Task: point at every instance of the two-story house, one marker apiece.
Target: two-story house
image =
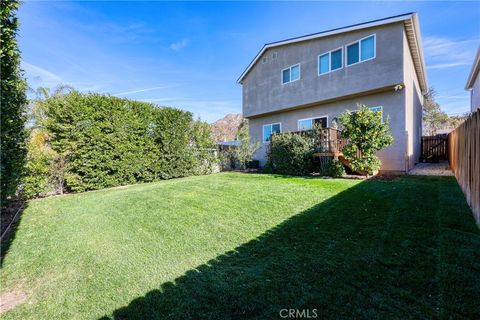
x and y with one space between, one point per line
292 84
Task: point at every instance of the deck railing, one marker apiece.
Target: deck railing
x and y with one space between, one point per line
328 141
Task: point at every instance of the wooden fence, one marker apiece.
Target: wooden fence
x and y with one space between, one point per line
464 157
434 148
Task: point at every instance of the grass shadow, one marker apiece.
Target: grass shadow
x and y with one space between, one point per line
11 218
369 252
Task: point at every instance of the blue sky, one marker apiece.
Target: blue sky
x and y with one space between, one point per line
189 55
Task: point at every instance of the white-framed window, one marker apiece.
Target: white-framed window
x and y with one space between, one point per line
330 61
307 124
378 109
268 129
291 74
361 50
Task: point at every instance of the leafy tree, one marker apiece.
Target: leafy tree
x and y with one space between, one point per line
203 147
433 117
244 152
367 134
13 103
456 120
37 178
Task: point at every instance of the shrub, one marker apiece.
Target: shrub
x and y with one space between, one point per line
99 141
13 102
205 157
244 152
291 153
334 169
36 181
227 159
367 134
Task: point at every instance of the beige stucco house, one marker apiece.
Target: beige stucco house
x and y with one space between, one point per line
473 83
292 84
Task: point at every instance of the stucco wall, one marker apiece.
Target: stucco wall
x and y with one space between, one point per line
393 102
263 91
413 108
475 94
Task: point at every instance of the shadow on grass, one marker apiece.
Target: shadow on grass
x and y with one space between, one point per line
11 217
369 252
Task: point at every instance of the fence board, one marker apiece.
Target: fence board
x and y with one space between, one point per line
464 157
434 148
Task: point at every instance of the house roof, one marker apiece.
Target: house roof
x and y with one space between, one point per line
474 72
411 27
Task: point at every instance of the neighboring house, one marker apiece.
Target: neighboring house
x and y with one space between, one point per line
228 145
294 83
473 83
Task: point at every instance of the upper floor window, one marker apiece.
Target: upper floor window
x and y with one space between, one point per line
268 129
330 61
307 124
361 50
291 74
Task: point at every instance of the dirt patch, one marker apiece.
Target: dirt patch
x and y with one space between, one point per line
11 299
431 169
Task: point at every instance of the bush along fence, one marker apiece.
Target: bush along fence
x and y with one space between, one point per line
90 141
464 157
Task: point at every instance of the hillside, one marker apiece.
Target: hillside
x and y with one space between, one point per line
225 129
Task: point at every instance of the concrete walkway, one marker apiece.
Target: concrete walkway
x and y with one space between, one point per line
431 169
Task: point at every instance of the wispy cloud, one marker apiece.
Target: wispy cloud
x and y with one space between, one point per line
171 99
447 65
176 46
209 110
40 77
140 90
442 53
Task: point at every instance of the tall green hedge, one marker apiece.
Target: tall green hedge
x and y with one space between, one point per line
106 141
13 102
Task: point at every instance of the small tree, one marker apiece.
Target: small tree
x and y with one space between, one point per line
245 151
367 134
433 117
204 148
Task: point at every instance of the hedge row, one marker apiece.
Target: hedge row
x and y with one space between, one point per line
100 141
13 101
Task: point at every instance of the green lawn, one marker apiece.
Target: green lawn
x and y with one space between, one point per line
231 246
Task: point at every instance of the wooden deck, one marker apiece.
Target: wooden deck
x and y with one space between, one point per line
328 142
329 145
